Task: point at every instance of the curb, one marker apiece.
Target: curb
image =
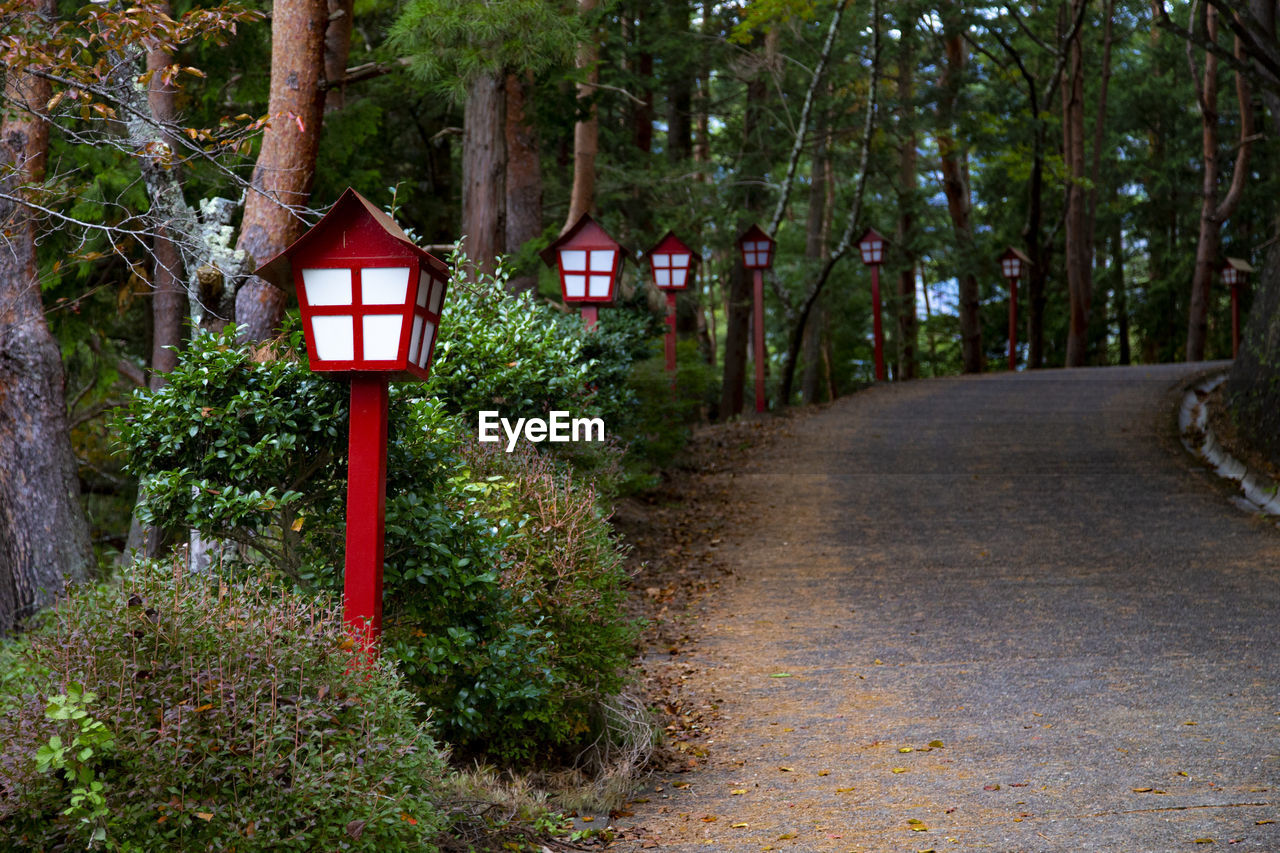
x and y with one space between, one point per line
1259 492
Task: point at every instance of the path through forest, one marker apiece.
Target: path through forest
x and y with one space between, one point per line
1000 613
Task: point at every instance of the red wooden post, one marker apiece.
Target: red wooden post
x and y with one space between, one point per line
877 328
1235 320
366 511
758 320
670 341
590 316
1013 324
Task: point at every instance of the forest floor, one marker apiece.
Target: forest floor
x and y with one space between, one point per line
1001 613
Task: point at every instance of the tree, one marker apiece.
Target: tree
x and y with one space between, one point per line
44 536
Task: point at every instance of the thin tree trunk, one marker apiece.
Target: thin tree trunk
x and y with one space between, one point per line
168 301
44 537
523 178
282 177
1078 256
906 191
736 337
955 184
680 91
1213 213
484 164
817 236
337 48
1121 290
586 131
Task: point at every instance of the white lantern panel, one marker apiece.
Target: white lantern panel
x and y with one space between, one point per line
602 260
437 296
384 285
662 277
382 336
334 337
428 338
424 289
680 260
600 285
661 261
575 286
573 260
327 286
751 260
415 339
678 277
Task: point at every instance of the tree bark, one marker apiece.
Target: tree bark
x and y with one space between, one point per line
282 177
1212 213
484 171
586 131
955 184
907 331
1079 258
168 301
337 49
817 236
44 536
523 178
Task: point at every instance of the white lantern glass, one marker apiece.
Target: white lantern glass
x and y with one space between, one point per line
1230 275
382 336
415 339
573 260
437 296
384 285
600 286
575 286
427 339
334 337
328 286
424 289
679 277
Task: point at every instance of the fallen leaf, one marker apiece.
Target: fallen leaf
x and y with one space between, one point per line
787 769
899 770
205 815
780 675
905 749
741 826
824 772
1142 790
1262 822
738 792
709 818
935 744
786 836
991 787
1204 841
843 790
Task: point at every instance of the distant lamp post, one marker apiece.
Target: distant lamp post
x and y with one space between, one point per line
588 261
370 301
672 265
757 255
1012 264
1234 274
871 245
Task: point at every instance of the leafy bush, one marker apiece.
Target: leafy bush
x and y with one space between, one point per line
185 712
237 451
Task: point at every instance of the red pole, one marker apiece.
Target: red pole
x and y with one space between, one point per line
876 327
671 330
1235 320
366 511
590 316
758 319
1013 324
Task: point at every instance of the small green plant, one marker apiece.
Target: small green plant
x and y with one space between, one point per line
90 741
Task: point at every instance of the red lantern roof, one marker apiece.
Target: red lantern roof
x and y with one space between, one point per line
588 260
361 284
671 263
757 249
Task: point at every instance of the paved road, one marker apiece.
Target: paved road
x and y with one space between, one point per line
1026 569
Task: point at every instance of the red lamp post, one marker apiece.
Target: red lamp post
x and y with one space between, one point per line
1234 274
588 261
757 255
1011 264
370 302
871 245
672 265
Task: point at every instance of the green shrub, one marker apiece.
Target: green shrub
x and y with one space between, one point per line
190 712
238 455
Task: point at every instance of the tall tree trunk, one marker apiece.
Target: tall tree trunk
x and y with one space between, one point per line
1213 213
907 325
680 85
1121 290
44 537
955 184
817 237
736 336
523 178
586 131
702 96
1079 257
642 113
168 281
282 177
484 160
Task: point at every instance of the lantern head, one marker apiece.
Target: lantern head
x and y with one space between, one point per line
588 261
1235 271
871 245
1013 262
757 249
370 299
672 263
